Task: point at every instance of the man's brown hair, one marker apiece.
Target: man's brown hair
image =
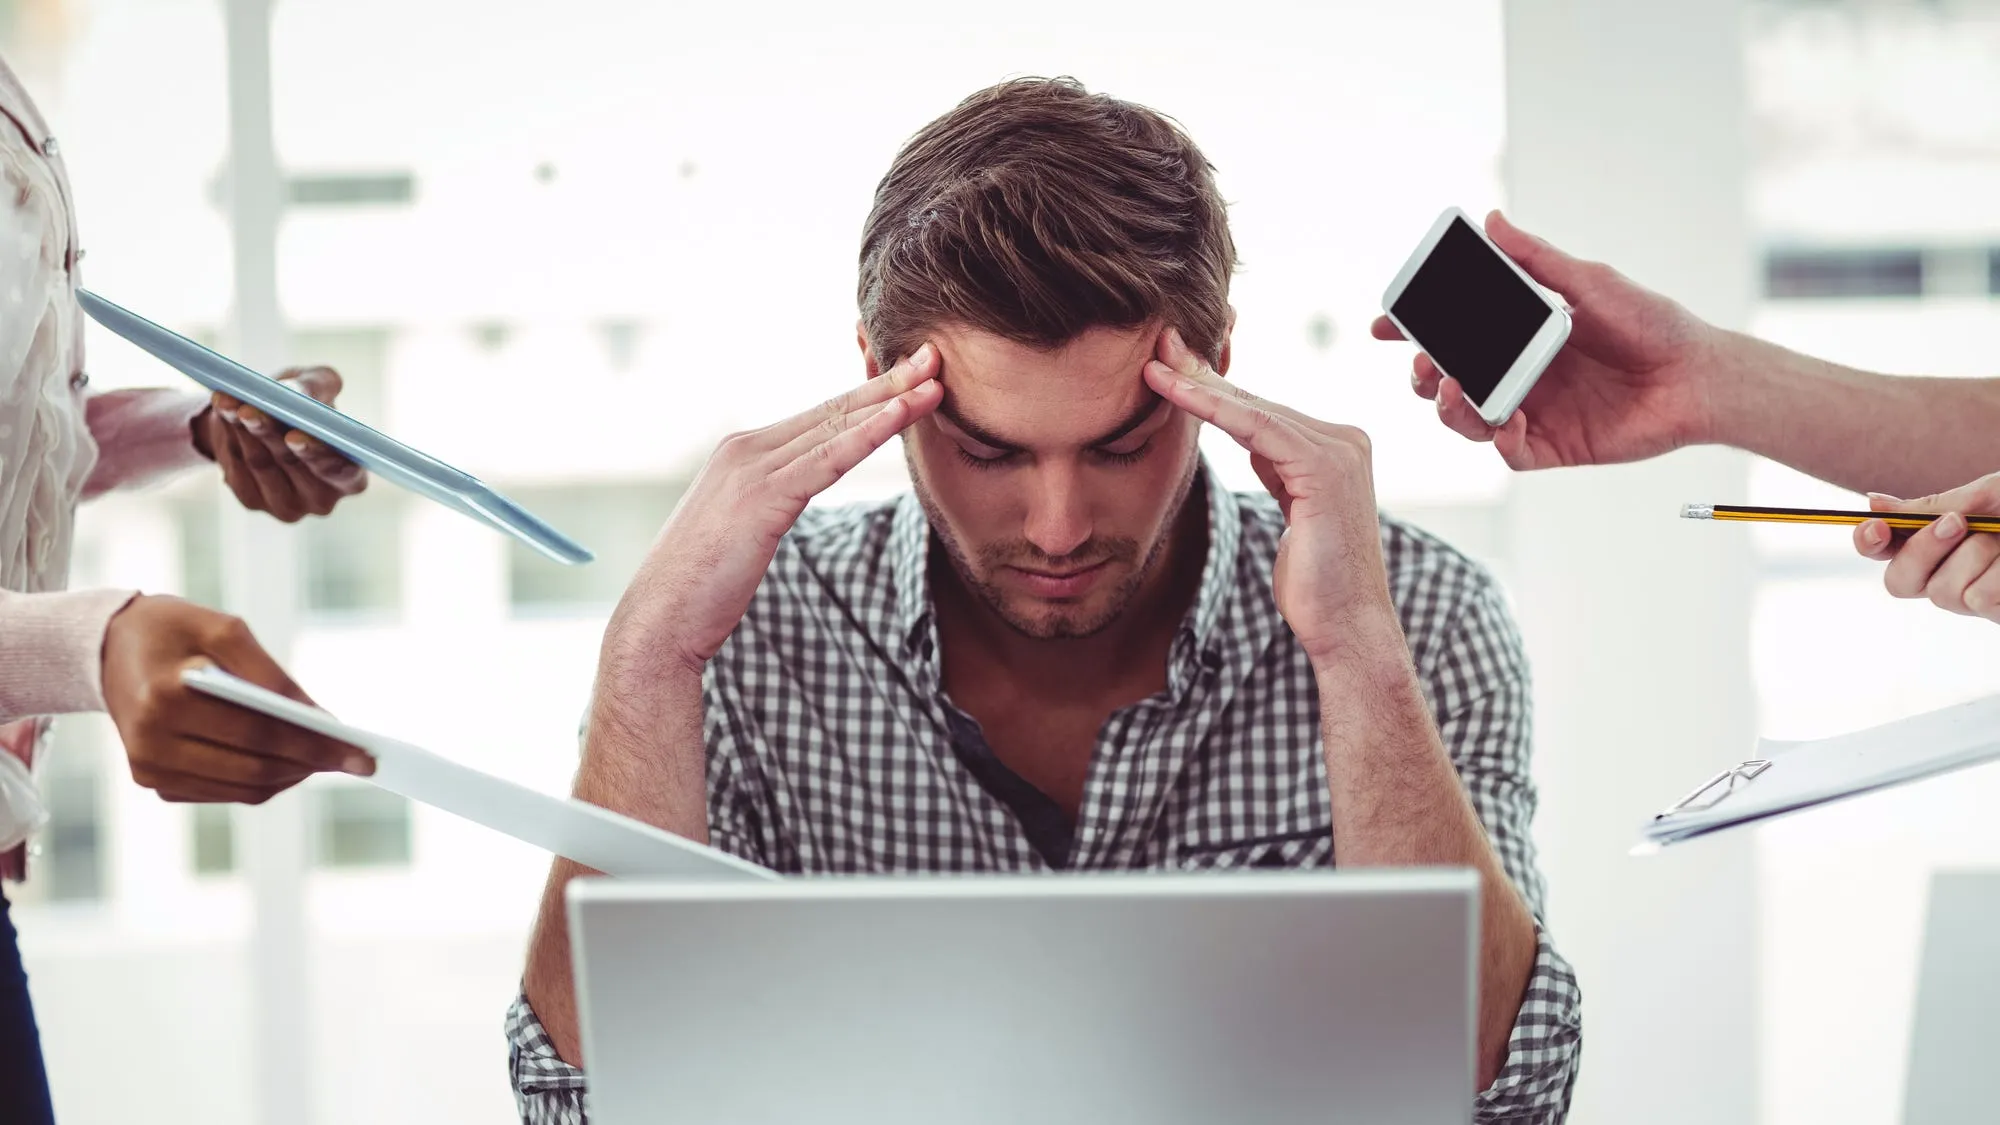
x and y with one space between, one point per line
1037 210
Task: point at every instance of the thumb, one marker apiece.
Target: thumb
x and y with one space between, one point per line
322 383
1980 498
234 649
1541 258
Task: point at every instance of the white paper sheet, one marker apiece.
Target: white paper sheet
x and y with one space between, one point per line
1804 774
595 837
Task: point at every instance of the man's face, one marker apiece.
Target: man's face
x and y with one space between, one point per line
1052 478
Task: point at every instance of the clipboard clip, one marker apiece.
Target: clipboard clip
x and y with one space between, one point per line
1716 788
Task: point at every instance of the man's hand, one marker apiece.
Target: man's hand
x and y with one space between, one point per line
1632 382
186 745
1330 570
698 578
643 754
270 467
1957 570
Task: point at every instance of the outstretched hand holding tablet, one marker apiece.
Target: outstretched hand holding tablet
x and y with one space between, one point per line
270 467
241 389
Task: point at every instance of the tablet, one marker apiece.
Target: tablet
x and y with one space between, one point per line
591 835
374 451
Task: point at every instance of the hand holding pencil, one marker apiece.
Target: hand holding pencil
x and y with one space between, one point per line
1945 547
1955 561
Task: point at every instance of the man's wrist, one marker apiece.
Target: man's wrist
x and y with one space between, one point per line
1744 377
1369 642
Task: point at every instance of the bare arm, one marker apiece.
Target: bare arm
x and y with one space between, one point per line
643 756
644 753
1396 795
1642 376
1904 435
1398 802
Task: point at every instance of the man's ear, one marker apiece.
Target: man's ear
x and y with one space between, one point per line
1228 330
867 353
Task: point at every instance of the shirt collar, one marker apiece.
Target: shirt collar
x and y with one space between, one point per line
1196 647
909 555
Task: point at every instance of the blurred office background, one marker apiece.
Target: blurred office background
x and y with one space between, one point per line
568 246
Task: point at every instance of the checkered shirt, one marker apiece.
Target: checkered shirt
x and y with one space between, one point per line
830 747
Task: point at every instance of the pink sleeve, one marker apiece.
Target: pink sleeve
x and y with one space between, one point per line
141 434
51 651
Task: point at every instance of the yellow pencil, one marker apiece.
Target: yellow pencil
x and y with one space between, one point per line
1907 521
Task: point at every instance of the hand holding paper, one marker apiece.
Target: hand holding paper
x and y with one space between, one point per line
594 837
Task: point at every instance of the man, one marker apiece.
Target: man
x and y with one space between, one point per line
1642 376
1069 649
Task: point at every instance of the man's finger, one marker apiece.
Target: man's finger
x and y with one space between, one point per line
1385 329
1511 439
1873 539
1456 411
1541 259
833 427
1243 416
1983 596
919 367
1425 376
1980 498
1174 352
816 470
1910 571
1960 570
1273 483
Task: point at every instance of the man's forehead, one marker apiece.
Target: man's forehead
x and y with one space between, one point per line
1025 424
1087 386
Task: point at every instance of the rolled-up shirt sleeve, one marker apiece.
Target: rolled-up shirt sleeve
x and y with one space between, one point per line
1480 683
549 1091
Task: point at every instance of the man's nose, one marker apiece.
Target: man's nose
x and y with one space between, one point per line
1058 512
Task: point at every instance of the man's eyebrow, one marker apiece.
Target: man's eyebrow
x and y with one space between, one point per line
1139 417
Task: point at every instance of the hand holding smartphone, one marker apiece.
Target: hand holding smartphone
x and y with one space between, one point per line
1480 317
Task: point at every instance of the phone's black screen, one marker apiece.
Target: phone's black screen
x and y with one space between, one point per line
1469 311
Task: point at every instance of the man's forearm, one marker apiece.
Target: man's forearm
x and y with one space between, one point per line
1398 802
1904 435
643 756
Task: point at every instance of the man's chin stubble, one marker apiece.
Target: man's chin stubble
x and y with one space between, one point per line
1058 628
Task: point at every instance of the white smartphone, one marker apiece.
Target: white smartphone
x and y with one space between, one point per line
1480 318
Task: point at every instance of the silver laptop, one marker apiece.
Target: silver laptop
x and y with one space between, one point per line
1956 1034
1164 999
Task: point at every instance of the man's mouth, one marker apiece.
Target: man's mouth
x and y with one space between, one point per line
1068 582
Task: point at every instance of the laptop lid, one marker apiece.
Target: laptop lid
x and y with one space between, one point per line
1275 997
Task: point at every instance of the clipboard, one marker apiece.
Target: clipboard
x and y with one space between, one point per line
373 450
1787 777
589 834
